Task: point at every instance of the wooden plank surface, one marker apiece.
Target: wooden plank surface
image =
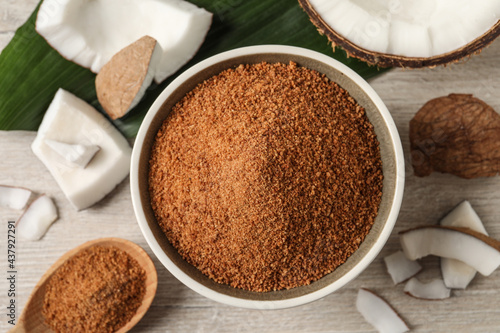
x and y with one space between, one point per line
178 309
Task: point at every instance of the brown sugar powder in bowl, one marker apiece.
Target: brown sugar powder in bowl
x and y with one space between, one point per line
97 290
266 177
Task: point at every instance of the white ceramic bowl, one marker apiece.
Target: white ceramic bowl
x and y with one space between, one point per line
392 164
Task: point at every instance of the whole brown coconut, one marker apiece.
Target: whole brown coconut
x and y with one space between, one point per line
457 134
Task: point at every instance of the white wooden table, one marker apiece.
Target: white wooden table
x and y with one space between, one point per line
178 309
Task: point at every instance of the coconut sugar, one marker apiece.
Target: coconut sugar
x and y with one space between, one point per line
97 290
266 176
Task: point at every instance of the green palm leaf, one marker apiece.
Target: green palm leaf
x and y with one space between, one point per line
31 71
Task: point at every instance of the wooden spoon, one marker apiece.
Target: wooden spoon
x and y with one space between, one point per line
32 320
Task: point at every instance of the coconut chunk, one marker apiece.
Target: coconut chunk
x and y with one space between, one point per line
91 32
379 313
37 218
70 119
457 274
401 268
433 290
475 249
464 216
14 197
77 155
122 82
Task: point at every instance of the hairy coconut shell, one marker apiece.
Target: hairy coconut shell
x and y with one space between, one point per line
457 134
391 60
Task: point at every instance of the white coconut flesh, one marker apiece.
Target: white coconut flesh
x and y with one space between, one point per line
14 197
37 218
78 155
433 290
409 28
401 268
90 32
379 313
457 274
475 249
71 120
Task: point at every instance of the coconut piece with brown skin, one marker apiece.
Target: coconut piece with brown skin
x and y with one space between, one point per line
123 81
406 33
89 33
471 247
457 134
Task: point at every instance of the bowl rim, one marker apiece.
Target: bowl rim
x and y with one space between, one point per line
290 302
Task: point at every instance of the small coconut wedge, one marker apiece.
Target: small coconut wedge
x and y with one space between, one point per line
78 155
379 313
89 33
456 274
37 218
471 247
407 33
433 290
122 82
401 268
14 197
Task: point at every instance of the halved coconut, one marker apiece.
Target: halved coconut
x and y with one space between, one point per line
379 313
90 32
407 33
401 268
433 290
14 197
457 274
471 247
122 82
37 218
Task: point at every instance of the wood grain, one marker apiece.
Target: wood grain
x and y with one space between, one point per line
179 309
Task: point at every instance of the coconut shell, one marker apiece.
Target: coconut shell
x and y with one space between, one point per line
457 134
120 80
390 60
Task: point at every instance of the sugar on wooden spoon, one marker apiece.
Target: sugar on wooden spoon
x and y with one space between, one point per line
32 318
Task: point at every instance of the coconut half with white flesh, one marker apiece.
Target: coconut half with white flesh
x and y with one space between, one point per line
90 32
457 274
407 33
471 247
